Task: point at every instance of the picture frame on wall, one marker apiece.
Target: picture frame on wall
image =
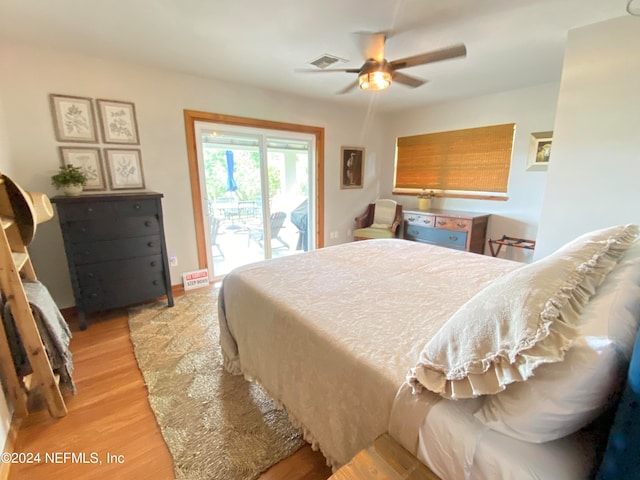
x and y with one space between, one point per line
351 167
124 168
89 161
73 118
539 151
118 122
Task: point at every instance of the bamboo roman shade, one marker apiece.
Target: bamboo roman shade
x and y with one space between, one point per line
473 159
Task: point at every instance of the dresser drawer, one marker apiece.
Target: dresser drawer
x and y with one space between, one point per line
110 210
126 291
449 238
86 211
136 207
122 227
119 249
114 271
421 219
453 223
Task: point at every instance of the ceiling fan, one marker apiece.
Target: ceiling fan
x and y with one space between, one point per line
377 73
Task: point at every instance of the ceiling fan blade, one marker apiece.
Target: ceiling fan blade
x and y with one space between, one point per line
429 57
317 70
372 45
407 80
348 88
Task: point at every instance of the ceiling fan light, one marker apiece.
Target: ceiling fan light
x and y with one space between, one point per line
377 80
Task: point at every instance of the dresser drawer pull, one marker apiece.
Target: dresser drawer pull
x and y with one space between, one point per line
155 282
461 225
153 264
147 223
94 295
427 221
91 275
411 219
442 222
150 244
453 238
89 209
136 206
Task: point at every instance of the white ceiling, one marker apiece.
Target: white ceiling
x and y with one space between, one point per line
510 43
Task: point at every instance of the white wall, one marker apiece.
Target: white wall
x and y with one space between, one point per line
532 110
5 164
594 175
29 75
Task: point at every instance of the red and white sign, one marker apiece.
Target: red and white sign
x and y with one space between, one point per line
197 279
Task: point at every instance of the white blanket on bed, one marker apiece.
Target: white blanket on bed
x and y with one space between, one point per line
331 334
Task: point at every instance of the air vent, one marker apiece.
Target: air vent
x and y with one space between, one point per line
325 60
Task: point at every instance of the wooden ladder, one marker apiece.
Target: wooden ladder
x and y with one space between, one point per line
14 261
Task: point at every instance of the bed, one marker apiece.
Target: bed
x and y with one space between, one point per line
345 339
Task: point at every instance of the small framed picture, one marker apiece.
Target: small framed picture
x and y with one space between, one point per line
124 167
89 161
539 150
351 167
118 122
73 119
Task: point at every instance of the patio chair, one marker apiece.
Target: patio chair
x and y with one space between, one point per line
214 224
276 221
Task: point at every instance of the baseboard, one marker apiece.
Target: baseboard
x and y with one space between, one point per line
177 290
9 446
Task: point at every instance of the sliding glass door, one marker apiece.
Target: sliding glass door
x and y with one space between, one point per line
257 191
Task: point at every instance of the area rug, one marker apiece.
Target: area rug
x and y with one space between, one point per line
216 425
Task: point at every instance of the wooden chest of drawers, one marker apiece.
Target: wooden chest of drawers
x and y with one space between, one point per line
447 228
115 249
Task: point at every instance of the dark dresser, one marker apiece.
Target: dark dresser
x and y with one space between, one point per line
447 228
115 249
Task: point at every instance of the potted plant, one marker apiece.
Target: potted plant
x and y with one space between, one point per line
424 200
70 179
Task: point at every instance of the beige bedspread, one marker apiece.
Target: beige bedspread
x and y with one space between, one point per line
332 333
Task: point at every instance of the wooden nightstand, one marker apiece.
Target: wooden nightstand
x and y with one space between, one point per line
384 460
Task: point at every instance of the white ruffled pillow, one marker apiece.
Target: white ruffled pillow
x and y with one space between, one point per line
563 397
520 321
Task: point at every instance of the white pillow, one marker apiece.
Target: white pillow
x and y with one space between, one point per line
384 213
522 320
563 397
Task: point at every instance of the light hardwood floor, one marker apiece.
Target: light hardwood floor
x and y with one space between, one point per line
111 418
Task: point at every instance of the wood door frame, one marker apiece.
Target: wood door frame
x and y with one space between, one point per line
193 116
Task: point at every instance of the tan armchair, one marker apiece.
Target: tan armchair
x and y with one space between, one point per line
382 219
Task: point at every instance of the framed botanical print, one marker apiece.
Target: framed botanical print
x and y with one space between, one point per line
89 161
351 167
539 150
124 167
118 122
73 118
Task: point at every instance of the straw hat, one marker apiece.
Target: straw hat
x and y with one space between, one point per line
29 208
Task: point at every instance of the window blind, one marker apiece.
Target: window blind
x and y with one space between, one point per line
473 159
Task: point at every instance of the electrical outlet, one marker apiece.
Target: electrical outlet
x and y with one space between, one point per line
173 261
